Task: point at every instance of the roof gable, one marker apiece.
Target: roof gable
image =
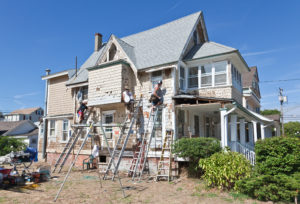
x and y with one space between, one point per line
163 44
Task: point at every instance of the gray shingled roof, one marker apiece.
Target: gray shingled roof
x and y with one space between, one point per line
208 49
162 44
82 75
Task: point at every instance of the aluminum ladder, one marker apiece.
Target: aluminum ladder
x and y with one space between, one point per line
119 153
138 164
69 146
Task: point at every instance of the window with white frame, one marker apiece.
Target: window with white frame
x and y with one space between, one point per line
182 78
52 128
206 75
236 75
220 69
156 77
193 77
108 119
65 130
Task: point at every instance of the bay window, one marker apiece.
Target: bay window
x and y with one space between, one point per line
182 78
220 73
206 75
193 77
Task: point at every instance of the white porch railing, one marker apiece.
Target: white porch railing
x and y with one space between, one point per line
246 150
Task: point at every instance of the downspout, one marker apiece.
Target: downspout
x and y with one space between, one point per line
44 118
173 101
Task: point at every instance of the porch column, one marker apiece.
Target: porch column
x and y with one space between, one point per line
254 131
262 131
242 132
224 123
233 131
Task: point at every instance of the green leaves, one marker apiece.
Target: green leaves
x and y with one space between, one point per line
223 169
277 171
8 144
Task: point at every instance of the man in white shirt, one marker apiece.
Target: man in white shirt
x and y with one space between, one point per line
128 99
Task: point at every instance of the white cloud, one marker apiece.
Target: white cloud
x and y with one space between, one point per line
262 52
20 103
24 95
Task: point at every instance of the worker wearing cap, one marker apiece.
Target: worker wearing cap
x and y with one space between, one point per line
128 99
81 110
157 95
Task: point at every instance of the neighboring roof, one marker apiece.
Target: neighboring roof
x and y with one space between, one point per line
26 111
247 78
9 125
208 49
163 44
275 117
34 132
82 75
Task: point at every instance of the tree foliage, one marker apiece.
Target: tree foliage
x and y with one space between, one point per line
8 144
269 112
292 129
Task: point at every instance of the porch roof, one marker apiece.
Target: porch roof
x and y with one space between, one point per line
187 96
200 107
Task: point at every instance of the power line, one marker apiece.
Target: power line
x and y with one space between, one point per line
280 80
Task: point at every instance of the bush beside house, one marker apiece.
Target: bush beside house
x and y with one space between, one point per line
276 176
195 149
224 169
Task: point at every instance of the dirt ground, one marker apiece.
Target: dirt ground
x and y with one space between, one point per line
84 187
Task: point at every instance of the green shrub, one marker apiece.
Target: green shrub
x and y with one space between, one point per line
194 149
268 187
224 169
8 144
292 129
277 171
277 155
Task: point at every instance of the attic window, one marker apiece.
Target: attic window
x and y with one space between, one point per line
195 38
112 52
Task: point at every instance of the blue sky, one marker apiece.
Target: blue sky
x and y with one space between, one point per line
35 35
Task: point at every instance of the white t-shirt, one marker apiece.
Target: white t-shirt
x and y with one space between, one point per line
127 96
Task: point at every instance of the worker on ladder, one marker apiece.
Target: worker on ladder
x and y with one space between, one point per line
129 101
81 110
157 95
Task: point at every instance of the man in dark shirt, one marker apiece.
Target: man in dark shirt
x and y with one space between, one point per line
81 110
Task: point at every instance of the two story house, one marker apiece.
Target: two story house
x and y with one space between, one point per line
32 114
202 86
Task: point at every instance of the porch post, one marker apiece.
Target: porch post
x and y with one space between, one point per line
233 131
254 131
223 124
242 132
262 131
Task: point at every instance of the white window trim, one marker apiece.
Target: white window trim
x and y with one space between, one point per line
55 128
212 74
110 112
68 130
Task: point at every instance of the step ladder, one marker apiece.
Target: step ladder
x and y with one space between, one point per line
164 169
126 131
140 156
70 145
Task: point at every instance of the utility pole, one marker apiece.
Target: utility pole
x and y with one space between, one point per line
282 99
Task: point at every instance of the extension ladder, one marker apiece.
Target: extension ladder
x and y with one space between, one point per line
122 140
165 164
140 156
69 146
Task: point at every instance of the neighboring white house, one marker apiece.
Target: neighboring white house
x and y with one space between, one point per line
33 114
24 129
